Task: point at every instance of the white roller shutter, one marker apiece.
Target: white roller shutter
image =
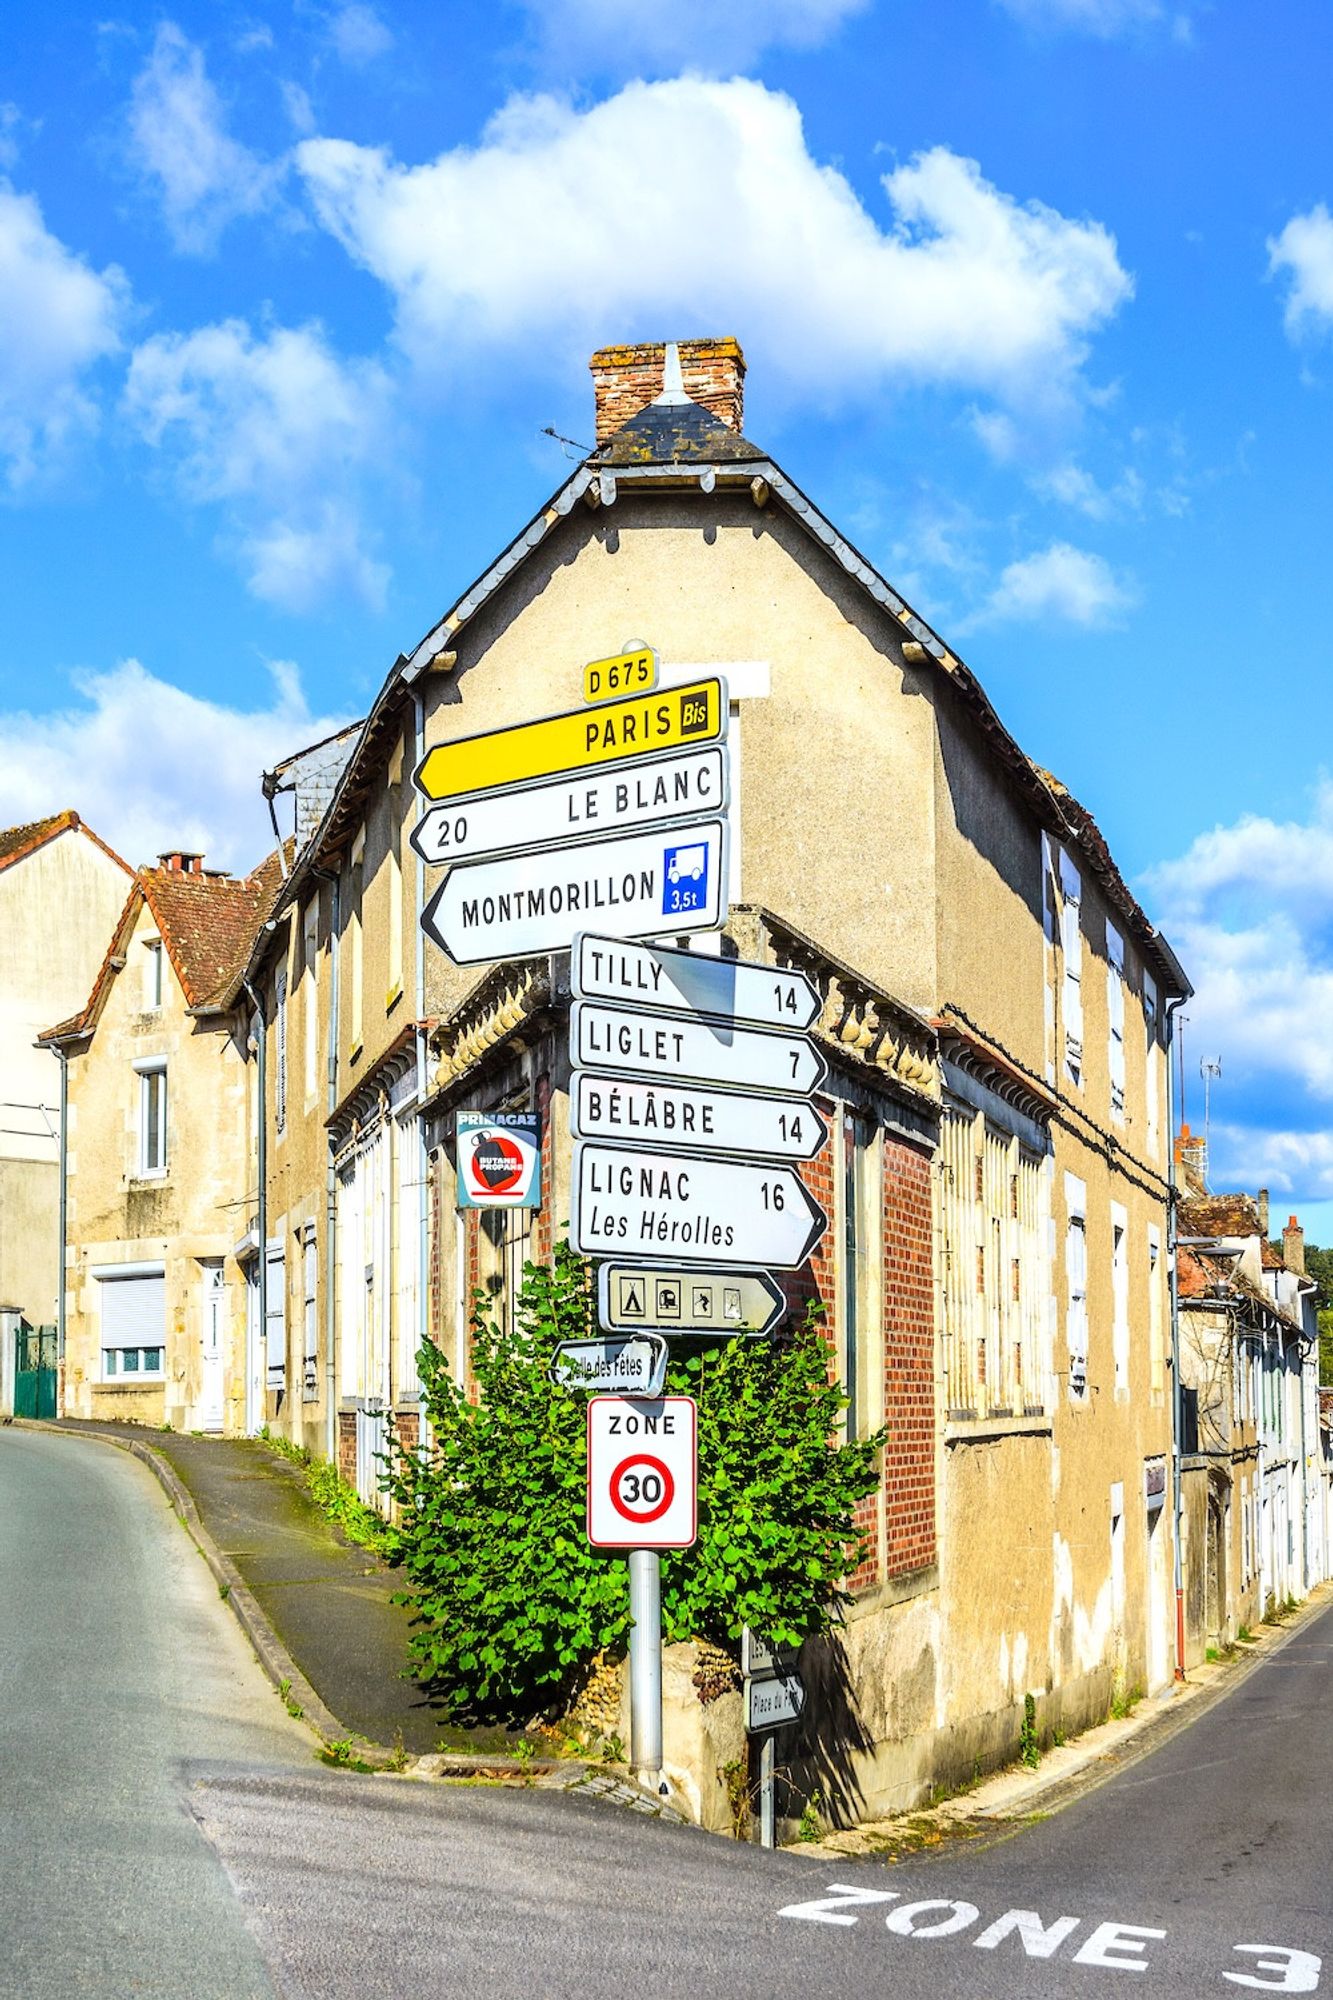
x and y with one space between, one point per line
134 1311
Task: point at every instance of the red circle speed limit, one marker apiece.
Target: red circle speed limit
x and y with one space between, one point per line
642 1489
642 1472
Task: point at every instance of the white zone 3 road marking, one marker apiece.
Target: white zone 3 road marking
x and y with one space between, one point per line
1116 1947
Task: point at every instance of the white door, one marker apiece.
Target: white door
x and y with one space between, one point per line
211 1399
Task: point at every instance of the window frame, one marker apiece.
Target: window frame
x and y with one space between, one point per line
154 975
125 1274
151 1069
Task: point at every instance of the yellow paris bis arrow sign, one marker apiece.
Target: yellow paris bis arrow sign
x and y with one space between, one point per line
663 720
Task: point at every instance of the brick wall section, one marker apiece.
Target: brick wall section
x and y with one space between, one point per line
626 379
542 1246
407 1428
347 1445
907 1493
909 1359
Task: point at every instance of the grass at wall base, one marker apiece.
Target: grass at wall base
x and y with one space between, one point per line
510 1604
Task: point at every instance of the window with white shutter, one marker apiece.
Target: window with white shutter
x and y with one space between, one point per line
133 1314
280 1040
1071 940
275 1316
1076 1278
1115 1013
1150 1062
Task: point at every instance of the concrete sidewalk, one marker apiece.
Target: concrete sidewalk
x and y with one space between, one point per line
329 1603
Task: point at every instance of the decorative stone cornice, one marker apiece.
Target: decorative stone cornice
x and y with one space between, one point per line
977 1056
494 1011
859 1022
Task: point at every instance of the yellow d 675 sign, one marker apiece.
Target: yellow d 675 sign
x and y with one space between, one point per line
585 737
631 672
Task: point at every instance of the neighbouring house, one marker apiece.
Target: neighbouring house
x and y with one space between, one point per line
158 1247
1254 1505
61 889
996 1009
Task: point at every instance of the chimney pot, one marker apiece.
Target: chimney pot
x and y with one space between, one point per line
180 862
626 379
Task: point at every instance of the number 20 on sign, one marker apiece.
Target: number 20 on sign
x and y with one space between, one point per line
642 1485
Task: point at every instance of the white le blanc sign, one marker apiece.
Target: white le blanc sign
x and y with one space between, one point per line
617 799
739 989
637 884
694 1117
727 1212
690 1045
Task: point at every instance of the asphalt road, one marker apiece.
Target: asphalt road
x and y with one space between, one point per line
164 1831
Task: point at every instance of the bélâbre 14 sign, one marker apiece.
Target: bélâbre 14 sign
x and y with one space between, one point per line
499 1159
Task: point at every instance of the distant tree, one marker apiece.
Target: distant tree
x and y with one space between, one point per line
1319 1266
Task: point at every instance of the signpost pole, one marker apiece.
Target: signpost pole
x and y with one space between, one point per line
766 1830
645 1665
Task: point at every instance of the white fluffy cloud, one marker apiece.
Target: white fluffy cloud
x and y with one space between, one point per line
150 767
1249 908
620 36
1104 18
696 206
358 35
1304 254
179 141
278 431
1062 585
58 318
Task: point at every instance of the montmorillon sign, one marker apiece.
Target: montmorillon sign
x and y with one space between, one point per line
672 880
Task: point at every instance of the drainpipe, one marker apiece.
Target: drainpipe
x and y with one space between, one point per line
423 1160
64 1219
1177 1398
261 1218
330 1175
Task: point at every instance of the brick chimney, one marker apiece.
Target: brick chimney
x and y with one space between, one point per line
1190 1158
626 379
1293 1246
179 862
1263 1213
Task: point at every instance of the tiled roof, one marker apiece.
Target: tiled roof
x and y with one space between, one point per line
1270 1258
208 924
17 842
1219 1215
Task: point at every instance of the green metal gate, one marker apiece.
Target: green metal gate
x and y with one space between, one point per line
34 1370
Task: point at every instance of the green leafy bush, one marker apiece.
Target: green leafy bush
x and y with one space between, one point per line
511 1604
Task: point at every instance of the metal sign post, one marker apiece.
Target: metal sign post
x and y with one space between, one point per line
767 1836
645 1666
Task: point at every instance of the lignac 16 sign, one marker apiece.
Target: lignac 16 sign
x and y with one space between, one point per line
499 1159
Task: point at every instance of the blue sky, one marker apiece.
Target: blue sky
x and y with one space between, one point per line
1037 297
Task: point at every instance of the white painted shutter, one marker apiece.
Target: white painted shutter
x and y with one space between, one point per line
275 1330
134 1311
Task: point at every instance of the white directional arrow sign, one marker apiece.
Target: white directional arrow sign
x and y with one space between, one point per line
621 1038
729 1212
616 799
636 884
695 1117
692 983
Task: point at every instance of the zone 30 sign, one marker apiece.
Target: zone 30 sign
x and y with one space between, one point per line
641 1472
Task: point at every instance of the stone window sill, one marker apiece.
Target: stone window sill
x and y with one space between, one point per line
978 1430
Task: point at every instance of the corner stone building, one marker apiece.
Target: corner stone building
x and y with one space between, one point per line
995 1009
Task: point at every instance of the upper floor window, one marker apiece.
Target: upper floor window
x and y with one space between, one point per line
1115 1014
280 1040
356 942
310 1001
152 1118
1150 1061
153 974
1071 939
